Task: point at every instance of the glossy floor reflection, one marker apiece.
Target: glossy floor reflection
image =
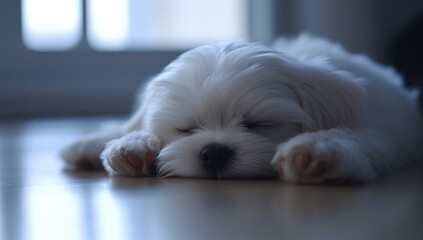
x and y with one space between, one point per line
39 200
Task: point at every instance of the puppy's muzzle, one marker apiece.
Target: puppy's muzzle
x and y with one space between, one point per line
215 156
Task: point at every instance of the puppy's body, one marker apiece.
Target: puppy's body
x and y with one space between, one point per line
307 111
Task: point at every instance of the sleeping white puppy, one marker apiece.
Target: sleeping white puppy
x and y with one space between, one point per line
306 111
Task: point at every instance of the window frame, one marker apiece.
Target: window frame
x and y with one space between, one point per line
65 83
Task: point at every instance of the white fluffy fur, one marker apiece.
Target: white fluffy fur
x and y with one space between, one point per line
319 114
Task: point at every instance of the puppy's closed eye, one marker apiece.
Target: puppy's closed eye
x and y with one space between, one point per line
256 125
186 131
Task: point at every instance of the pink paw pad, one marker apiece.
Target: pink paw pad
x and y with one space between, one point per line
135 161
304 165
138 163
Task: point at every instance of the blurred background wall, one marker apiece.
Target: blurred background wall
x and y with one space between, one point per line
114 45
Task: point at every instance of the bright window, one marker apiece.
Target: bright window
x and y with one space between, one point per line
108 24
51 24
132 24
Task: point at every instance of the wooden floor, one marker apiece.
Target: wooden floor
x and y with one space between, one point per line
39 200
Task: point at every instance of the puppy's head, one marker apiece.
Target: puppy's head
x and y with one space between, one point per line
221 110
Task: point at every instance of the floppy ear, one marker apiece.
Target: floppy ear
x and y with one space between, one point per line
330 98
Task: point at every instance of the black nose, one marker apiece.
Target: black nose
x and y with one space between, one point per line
215 156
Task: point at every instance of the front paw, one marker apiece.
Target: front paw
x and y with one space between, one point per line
132 155
309 159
